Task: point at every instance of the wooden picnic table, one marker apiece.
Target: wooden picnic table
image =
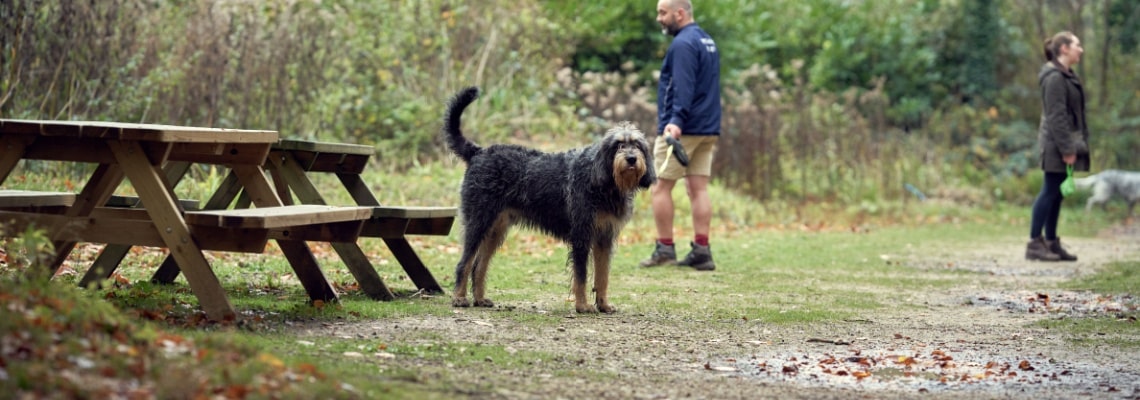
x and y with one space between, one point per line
138 153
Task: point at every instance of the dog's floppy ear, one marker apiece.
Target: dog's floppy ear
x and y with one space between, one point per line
650 176
603 168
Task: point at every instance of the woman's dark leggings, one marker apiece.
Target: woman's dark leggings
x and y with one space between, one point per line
1047 208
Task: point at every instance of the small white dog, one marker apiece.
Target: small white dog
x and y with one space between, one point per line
1111 182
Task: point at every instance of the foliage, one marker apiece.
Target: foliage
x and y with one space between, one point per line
981 25
1124 20
59 342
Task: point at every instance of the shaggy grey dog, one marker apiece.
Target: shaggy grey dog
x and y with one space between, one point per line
1111 182
583 196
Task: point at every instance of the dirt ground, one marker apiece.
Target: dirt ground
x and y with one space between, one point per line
970 341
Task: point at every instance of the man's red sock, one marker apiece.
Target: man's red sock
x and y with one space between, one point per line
665 241
702 240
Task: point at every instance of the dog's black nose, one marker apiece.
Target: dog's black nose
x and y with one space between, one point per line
631 160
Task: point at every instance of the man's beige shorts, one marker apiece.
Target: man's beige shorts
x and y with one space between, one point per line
700 150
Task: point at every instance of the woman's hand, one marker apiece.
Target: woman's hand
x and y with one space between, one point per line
1069 159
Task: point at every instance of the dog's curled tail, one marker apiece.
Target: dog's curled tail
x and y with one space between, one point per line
462 147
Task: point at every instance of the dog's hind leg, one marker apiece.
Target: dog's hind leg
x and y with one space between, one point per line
491 242
1102 192
475 231
462 273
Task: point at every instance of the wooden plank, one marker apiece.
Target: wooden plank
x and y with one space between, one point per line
339 232
133 201
220 153
76 149
294 145
332 162
277 217
162 208
93 150
141 232
385 228
136 132
413 212
429 226
29 198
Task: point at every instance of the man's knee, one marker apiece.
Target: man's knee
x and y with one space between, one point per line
662 186
696 185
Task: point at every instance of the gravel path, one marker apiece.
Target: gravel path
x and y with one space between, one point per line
975 340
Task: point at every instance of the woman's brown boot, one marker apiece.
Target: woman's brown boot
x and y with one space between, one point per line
1038 250
1055 247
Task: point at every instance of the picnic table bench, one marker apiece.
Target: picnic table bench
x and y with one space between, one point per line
247 230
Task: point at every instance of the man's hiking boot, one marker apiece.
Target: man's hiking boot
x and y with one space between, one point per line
1055 247
700 258
1038 250
663 254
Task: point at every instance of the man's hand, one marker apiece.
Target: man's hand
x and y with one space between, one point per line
673 130
1069 159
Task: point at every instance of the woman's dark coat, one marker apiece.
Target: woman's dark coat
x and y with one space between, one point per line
1063 127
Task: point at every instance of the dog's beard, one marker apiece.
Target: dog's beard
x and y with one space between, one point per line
627 176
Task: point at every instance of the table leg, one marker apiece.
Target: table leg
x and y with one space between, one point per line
163 209
400 248
11 151
113 254
104 265
415 268
290 174
95 193
358 189
304 264
222 197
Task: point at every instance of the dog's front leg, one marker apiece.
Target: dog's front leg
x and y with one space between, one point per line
602 256
580 259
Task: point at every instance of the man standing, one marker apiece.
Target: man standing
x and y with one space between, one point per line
688 109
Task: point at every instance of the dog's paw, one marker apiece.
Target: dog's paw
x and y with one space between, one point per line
460 302
585 309
606 309
484 303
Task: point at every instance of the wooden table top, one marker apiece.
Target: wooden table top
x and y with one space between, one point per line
140 132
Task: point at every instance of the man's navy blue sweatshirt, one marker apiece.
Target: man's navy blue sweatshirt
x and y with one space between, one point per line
689 92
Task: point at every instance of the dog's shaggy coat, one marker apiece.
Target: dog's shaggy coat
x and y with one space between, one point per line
583 196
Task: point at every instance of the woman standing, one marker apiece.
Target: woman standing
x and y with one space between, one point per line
1062 139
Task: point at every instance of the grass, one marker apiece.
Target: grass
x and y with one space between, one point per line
800 266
